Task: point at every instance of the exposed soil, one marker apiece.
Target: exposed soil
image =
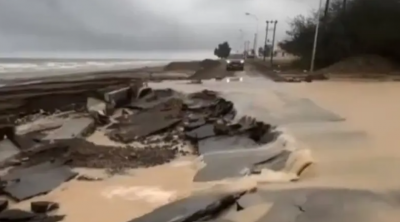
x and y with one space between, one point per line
191 65
213 71
366 64
81 153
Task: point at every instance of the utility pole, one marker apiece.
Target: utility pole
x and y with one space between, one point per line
256 32
327 9
273 43
344 5
266 41
314 50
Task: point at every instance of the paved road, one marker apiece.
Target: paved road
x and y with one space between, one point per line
332 192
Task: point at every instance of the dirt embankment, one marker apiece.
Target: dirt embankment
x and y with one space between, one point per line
191 65
215 71
365 66
359 67
205 69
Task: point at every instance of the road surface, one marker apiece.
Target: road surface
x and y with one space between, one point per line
351 129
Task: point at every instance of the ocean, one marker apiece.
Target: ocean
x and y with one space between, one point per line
34 66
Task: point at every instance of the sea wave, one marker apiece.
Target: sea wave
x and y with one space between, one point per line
23 67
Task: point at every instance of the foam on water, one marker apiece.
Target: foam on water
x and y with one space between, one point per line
22 67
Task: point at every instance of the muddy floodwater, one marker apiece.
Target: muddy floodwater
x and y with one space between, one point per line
349 130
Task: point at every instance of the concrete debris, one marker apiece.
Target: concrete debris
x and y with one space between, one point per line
17 215
152 126
41 207
96 105
192 209
119 97
7 150
37 182
72 128
194 117
40 126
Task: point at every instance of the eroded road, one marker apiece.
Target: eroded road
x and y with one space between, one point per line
341 187
348 183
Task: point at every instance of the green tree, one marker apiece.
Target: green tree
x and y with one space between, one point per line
266 50
223 50
352 28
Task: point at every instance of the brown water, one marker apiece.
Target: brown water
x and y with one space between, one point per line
368 106
372 164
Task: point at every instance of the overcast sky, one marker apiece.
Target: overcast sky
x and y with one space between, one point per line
137 25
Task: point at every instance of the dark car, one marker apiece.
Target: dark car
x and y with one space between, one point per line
235 62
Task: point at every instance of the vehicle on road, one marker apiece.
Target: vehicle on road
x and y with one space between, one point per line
235 62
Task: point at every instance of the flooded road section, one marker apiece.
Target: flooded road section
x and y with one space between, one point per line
355 174
322 161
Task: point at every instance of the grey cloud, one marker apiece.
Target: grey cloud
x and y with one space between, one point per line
127 25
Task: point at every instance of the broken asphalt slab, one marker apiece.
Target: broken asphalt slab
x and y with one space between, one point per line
191 209
226 143
17 215
39 182
300 110
322 204
153 98
290 205
7 150
119 97
75 127
143 124
131 133
236 163
163 115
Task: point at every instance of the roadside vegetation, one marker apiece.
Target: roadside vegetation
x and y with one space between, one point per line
348 29
223 50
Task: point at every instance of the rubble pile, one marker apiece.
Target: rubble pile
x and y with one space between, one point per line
151 126
21 102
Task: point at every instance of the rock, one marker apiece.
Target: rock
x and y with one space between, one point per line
16 215
3 205
43 206
96 105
